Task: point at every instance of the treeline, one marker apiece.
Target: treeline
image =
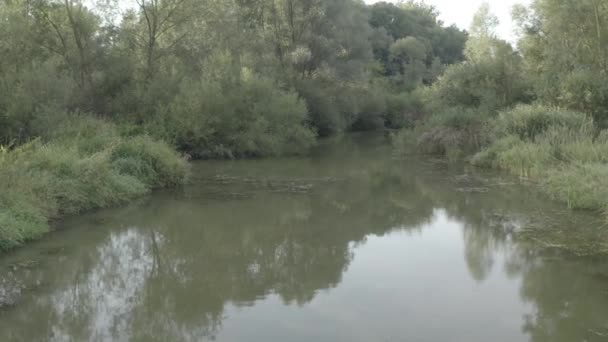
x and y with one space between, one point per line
219 78
101 100
539 111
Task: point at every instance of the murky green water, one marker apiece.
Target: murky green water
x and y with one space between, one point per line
346 245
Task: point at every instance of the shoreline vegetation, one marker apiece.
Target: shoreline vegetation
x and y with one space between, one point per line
101 105
562 152
87 165
539 112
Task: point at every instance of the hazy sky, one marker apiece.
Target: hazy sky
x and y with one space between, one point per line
460 12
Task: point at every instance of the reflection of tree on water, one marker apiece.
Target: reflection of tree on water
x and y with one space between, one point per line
569 294
567 307
101 303
171 276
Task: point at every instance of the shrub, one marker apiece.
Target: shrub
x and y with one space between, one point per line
79 182
77 171
253 117
403 110
325 108
152 162
87 133
370 110
488 85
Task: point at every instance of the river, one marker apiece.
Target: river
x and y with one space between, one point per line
347 244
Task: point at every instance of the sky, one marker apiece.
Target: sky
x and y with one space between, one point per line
460 12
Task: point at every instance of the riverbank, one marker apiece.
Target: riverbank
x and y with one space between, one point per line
238 255
87 164
561 151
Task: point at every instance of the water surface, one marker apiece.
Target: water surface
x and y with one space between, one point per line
348 244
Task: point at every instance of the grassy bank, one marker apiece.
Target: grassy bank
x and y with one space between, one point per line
562 151
86 164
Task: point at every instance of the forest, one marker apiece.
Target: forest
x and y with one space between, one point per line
103 101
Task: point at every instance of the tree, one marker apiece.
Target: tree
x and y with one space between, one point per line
412 20
159 18
410 54
565 49
492 76
67 28
483 41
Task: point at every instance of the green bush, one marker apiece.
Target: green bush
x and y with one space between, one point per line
330 106
369 110
483 85
87 133
253 117
78 171
403 109
80 182
152 162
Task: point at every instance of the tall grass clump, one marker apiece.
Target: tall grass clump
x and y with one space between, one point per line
525 159
74 170
561 150
530 138
530 121
579 185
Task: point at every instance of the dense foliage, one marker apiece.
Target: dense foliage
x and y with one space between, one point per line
118 86
96 95
538 112
219 78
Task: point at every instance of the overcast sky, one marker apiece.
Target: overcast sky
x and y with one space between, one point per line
460 12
